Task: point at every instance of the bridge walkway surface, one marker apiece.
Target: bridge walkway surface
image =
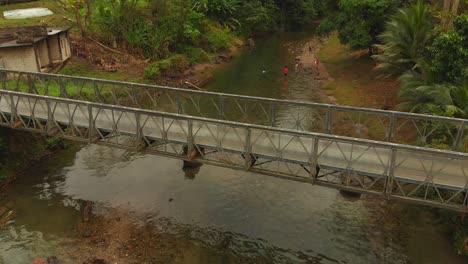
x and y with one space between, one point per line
397 171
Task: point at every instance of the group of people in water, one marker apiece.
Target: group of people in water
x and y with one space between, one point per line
298 65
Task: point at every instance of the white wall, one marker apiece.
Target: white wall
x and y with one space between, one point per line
65 45
43 50
19 58
54 46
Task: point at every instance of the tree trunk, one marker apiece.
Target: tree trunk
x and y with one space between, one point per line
455 4
445 13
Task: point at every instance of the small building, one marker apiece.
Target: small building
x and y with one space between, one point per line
34 49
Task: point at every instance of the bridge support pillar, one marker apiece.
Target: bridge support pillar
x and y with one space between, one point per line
350 194
347 180
191 155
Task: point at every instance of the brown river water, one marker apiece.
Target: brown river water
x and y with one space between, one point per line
210 215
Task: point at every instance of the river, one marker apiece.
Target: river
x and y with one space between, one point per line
213 214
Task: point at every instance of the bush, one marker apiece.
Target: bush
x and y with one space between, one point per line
196 55
325 28
55 143
217 40
152 71
171 67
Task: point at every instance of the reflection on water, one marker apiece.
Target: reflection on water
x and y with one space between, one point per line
243 213
230 211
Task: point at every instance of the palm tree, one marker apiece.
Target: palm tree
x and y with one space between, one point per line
404 39
421 93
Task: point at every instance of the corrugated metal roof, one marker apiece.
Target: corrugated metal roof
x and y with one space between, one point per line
11 42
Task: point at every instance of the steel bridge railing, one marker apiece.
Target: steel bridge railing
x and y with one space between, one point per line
420 175
389 126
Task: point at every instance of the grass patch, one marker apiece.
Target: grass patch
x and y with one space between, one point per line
80 67
355 82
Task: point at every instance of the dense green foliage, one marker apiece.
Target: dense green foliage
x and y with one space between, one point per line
405 38
161 29
359 22
449 52
433 64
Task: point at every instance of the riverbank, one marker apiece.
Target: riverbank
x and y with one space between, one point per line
354 82
351 80
128 68
21 149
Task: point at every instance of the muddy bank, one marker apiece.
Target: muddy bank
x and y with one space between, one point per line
93 60
20 149
116 235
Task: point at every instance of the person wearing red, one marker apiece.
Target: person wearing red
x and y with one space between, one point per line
285 70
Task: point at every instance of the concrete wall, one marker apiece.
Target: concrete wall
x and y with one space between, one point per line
54 46
19 58
65 45
43 52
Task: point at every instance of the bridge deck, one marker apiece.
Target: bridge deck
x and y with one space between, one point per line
429 176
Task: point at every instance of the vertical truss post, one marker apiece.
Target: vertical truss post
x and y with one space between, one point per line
91 124
222 113
248 149
179 104
190 138
391 128
63 92
465 199
313 160
134 95
139 131
391 173
458 140
18 79
4 76
97 94
273 113
13 110
329 124
30 84
50 117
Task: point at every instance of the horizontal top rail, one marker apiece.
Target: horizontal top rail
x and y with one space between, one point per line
368 142
389 113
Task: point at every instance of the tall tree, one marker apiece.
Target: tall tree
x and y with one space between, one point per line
449 12
404 39
360 22
449 52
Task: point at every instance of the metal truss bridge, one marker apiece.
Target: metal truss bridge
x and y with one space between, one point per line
353 149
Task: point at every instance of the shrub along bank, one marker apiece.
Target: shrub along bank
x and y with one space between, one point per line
21 149
174 34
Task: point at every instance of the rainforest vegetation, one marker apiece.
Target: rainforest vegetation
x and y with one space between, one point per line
424 44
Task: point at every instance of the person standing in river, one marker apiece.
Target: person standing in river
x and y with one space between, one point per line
285 71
